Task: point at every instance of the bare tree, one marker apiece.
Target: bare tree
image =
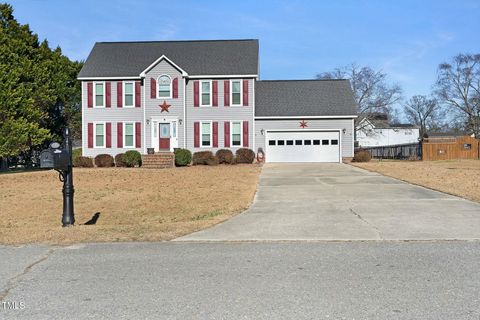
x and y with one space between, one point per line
372 91
458 88
424 112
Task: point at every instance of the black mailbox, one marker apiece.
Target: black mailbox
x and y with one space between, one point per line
46 159
61 159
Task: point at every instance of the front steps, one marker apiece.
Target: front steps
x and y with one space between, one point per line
159 160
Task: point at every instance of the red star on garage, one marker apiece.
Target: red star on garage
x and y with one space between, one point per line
303 124
164 106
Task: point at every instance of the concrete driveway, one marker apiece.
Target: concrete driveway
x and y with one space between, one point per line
341 202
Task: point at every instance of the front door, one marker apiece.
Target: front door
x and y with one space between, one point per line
164 136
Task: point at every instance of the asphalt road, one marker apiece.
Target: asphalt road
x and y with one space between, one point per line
245 280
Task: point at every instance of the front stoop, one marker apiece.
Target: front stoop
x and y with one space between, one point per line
159 160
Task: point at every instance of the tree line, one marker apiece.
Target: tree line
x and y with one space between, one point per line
452 105
39 93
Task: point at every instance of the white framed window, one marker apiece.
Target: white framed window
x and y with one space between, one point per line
236 92
236 136
164 87
99 134
129 135
129 94
206 134
206 93
99 94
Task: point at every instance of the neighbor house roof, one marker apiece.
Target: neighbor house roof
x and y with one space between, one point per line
205 57
281 98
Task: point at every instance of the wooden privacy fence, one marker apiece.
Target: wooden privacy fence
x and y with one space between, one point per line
411 151
463 147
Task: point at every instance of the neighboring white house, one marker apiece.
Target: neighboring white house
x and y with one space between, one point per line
378 132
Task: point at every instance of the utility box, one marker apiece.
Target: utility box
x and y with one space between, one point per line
46 159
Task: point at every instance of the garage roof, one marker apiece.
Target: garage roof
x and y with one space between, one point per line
203 57
304 98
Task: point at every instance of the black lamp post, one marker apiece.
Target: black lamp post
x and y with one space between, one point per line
68 216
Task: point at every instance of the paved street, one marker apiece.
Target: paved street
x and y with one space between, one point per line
341 202
297 280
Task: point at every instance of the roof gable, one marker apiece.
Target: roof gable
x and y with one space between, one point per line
207 57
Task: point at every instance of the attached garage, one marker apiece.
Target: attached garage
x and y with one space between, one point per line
303 146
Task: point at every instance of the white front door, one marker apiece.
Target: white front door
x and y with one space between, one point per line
303 146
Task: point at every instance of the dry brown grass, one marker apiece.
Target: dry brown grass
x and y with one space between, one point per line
458 177
134 204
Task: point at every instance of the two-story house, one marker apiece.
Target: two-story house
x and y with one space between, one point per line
206 95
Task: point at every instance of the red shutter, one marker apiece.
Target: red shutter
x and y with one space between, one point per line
90 94
226 137
108 98
195 94
245 92
138 134
226 92
215 134
90 135
245 134
119 135
108 131
215 93
137 94
153 88
196 134
175 88
119 94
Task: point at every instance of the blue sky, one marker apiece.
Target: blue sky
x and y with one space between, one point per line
405 39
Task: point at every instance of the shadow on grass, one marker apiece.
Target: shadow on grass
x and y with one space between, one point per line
93 220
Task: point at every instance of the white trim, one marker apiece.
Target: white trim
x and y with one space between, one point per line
308 130
84 129
95 134
241 134
154 123
306 117
353 137
95 94
170 90
201 134
200 93
124 93
109 78
231 93
184 121
125 134
163 57
144 124
253 116
224 76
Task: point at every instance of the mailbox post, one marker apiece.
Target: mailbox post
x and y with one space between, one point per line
60 158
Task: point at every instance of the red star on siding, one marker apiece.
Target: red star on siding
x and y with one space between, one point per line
164 106
303 124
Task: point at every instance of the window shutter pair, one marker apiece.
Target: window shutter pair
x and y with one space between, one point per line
196 93
138 135
108 135
226 90
153 88
196 134
138 88
108 94
226 132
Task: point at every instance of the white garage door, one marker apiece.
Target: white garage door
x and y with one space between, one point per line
302 146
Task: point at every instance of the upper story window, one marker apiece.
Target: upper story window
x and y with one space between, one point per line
99 94
236 133
128 94
206 136
164 84
206 93
99 135
236 92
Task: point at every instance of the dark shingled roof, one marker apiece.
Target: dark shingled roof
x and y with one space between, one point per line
304 98
205 57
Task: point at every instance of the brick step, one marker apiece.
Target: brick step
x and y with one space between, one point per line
158 161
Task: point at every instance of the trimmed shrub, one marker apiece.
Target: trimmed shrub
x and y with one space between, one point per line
104 161
183 157
76 153
132 158
244 155
83 162
119 160
204 157
225 156
362 156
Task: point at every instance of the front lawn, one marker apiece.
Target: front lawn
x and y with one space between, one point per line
458 177
134 204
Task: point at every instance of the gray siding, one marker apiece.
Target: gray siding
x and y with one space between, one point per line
219 114
347 124
112 115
